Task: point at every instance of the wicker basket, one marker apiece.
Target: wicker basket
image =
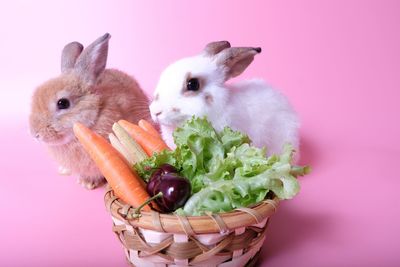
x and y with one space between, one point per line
225 239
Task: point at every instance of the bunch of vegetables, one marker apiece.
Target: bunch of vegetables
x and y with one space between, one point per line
208 171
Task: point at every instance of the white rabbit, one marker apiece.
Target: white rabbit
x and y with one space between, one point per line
196 86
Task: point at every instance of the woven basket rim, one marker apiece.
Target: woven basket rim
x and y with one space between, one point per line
171 223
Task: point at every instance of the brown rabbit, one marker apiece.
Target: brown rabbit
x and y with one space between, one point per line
85 92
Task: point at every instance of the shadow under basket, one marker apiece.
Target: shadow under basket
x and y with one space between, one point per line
224 239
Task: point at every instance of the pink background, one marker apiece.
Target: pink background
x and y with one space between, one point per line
337 61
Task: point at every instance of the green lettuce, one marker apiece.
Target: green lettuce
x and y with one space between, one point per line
146 167
225 171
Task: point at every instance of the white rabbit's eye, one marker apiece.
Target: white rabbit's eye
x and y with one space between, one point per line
63 103
193 84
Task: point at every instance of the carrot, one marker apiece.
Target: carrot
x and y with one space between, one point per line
148 127
126 183
148 142
126 155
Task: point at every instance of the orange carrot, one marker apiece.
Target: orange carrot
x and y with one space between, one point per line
126 184
148 127
148 142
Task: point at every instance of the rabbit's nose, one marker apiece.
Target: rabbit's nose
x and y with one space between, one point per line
158 113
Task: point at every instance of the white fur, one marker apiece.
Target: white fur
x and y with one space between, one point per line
249 106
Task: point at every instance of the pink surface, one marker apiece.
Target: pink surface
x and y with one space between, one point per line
337 61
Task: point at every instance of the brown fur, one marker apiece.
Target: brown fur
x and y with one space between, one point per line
237 59
97 101
214 48
116 96
209 99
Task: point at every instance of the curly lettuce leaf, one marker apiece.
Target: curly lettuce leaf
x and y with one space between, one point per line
225 171
231 138
145 168
247 187
195 127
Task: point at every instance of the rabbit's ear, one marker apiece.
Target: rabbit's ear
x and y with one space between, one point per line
69 55
214 48
92 62
236 59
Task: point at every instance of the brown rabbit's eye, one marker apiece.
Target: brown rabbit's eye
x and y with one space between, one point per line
193 84
63 103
